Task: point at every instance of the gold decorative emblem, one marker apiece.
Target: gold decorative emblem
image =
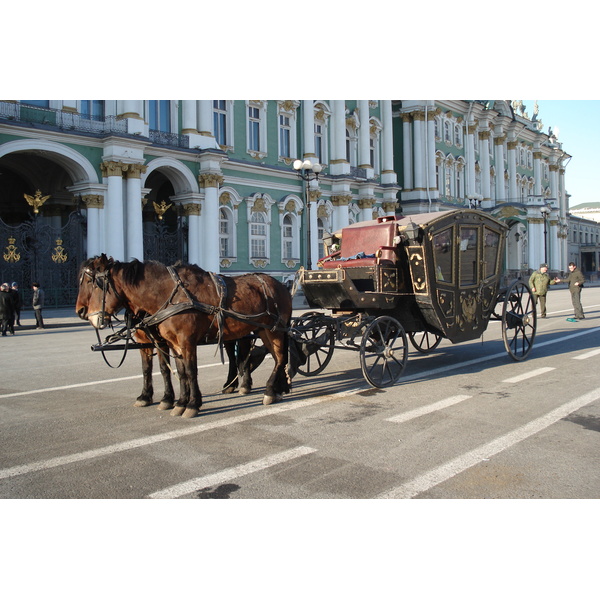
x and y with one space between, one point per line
59 255
161 208
11 255
36 201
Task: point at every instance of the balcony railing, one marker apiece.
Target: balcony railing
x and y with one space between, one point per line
24 114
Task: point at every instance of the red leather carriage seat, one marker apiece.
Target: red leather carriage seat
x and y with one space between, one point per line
374 239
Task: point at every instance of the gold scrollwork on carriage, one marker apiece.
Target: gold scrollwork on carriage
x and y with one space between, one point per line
59 255
12 255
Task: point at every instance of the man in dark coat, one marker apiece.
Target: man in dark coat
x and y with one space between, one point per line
14 291
7 310
575 281
38 305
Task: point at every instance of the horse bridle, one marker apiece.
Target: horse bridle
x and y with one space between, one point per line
103 281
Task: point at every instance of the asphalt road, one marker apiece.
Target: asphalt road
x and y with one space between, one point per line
465 422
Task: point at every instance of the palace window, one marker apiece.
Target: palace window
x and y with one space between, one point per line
220 122
159 115
256 132
287 238
258 235
92 109
226 233
287 128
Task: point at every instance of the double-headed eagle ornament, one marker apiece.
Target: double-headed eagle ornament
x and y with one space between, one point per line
36 201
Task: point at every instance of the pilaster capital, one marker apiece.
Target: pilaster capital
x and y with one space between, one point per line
537 155
342 200
314 195
209 180
191 209
113 168
389 206
485 135
135 170
472 128
366 202
499 141
553 167
512 145
93 201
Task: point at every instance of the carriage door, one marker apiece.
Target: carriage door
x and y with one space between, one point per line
469 262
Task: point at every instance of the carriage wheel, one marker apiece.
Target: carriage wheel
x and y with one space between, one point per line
424 341
383 352
318 339
519 321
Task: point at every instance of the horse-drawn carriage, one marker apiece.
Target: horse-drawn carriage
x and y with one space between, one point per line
421 278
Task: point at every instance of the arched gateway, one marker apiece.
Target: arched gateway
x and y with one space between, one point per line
42 229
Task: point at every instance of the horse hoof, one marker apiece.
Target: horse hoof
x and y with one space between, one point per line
244 391
190 413
229 390
140 402
165 406
271 399
177 411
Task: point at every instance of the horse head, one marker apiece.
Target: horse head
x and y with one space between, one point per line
98 298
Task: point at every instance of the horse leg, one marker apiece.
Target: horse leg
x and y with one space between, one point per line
244 369
145 398
195 397
184 389
232 376
164 361
278 383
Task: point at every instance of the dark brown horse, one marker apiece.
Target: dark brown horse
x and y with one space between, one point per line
188 306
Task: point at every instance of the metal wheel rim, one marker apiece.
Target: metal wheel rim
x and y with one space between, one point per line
383 352
519 321
422 341
324 354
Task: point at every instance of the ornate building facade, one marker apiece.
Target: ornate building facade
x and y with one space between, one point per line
491 155
213 182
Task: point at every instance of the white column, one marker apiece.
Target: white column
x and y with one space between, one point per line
188 117
192 211
499 160
314 241
210 222
388 174
113 209
93 203
339 165
484 156
205 118
134 234
537 172
407 138
419 183
308 128
470 152
430 158
364 135
513 193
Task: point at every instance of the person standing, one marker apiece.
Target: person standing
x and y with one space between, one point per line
538 283
38 305
7 311
14 290
575 281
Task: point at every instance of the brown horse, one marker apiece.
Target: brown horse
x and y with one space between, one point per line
189 306
243 357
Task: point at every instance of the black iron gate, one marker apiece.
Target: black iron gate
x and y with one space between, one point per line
165 243
35 251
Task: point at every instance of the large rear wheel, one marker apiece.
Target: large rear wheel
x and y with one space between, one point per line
316 339
383 352
519 321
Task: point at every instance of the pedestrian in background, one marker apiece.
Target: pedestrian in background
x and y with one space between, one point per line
575 281
7 311
538 284
14 290
38 305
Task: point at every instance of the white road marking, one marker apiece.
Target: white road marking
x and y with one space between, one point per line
425 410
42 465
188 487
587 355
528 375
87 384
434 477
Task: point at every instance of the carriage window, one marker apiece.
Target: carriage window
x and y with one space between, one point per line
491 243
442 253
468 256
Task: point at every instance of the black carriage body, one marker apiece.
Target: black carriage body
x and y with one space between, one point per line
438 272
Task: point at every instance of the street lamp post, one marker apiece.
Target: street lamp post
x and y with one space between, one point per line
545 210
308 171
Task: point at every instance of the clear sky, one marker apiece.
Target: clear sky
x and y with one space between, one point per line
576 121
